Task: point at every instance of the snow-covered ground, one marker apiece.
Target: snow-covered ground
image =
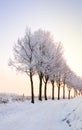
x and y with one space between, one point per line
46 115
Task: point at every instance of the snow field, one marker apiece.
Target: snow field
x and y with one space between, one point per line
46 115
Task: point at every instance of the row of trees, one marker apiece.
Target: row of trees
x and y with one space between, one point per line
38 53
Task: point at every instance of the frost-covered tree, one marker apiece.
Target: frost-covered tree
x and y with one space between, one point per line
48 67
23 57
55 66
59 64
42 56
66 73
77 82
71 82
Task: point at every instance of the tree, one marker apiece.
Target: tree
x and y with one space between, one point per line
23 58
48 67
59 65
55 66
42 56
66 73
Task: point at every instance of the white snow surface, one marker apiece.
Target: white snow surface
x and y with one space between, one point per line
43 115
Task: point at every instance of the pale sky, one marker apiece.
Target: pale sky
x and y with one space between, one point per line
63 18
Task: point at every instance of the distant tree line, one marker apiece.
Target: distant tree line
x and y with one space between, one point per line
38 53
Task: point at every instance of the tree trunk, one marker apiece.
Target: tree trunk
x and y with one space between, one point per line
32 90
69 91
45 87
40 86
64 91
59 92
52 90
45 91
74 93
81 93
